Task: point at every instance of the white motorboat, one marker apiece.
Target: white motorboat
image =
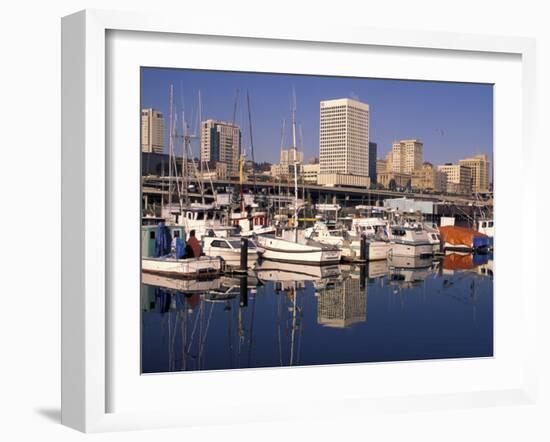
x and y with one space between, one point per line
350 244
184 268
197 217
433 238
409 241
369 226
229 249
302 250
487 227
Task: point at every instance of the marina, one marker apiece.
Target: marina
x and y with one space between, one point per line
349 258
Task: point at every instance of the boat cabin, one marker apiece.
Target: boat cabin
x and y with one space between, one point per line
148 238
486 226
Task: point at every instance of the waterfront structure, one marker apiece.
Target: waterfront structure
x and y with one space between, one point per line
152 131
459 178
310 173
479 164
407 156
393 180
342 304
372 161
343 138
429 178
221 142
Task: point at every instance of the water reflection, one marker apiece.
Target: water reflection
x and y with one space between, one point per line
287 314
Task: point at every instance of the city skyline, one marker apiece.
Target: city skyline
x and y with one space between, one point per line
453 120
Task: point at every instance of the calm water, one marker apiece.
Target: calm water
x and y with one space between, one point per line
300 315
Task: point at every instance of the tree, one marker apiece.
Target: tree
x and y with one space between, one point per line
392 185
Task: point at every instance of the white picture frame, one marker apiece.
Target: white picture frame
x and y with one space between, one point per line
86 201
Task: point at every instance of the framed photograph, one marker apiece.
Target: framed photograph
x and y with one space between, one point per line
296 223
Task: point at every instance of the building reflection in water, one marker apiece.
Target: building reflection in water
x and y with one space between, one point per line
342 303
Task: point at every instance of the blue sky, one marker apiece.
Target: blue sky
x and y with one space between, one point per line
453 120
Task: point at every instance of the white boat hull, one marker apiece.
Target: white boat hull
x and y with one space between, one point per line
410 249
378 250
189 268
276 249
231 256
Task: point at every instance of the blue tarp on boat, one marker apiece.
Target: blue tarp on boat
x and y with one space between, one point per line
163 240
180 248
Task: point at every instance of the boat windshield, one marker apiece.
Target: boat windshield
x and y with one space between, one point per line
237 244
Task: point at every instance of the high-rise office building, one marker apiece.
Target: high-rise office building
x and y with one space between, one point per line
407 156
152 131
372 161
479 164
344 137
459 178
221 142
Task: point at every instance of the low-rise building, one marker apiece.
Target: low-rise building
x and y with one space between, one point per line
215 170
393 180
288 159
341 179
310 173
429 178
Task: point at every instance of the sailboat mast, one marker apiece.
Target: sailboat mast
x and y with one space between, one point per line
184 169
171 150
295 159
251 140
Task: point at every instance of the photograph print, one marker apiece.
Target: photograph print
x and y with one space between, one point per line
302 220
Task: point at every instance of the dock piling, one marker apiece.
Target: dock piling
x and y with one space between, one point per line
244 254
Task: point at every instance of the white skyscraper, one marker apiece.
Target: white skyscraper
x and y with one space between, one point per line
344 137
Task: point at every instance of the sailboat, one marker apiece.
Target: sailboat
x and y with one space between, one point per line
294 246
250 221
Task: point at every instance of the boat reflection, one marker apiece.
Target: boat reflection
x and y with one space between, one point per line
406 272
482 264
